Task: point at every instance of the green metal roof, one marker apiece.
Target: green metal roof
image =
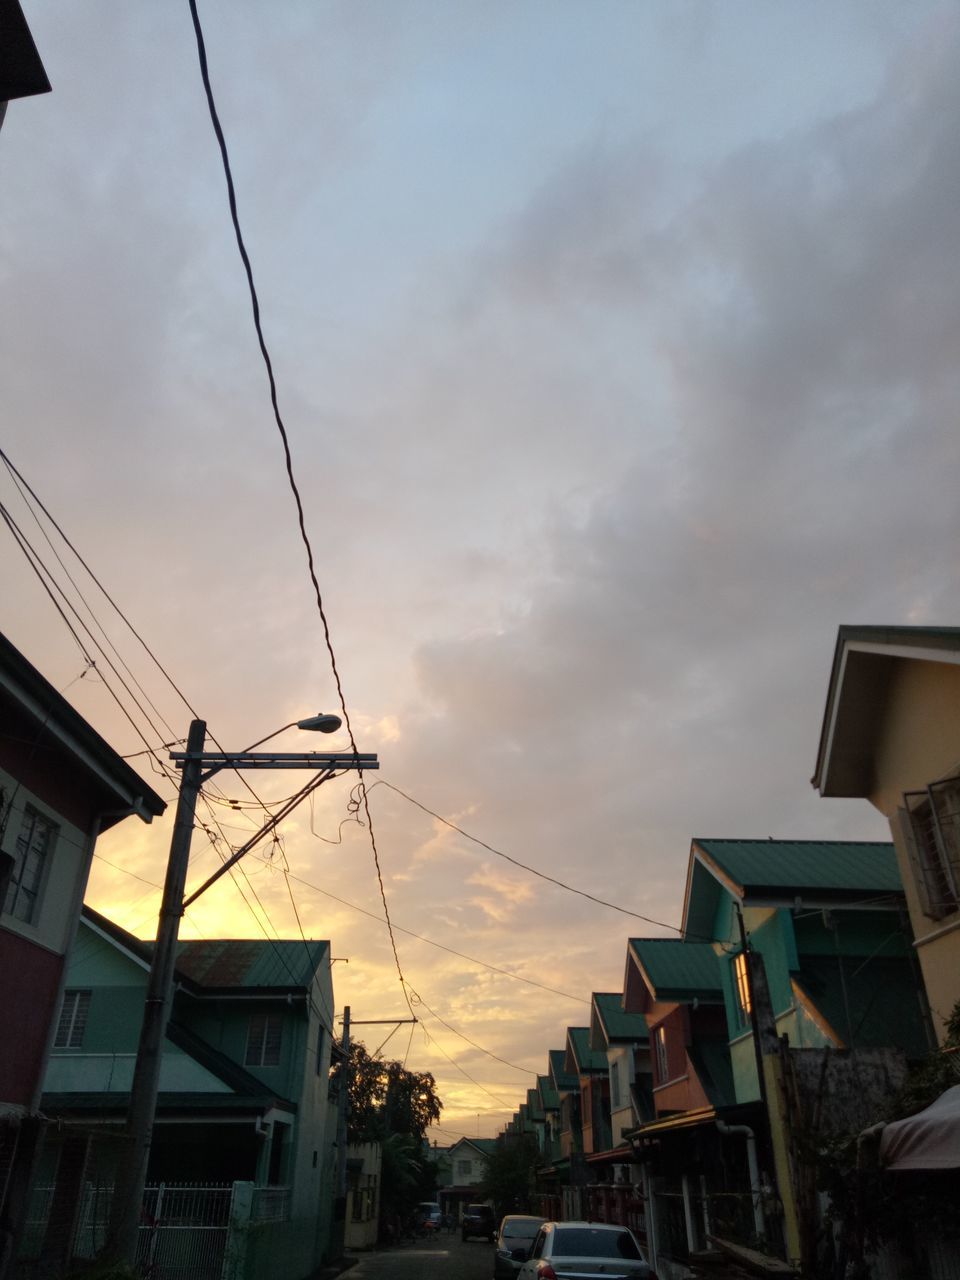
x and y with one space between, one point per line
679 970
563 1080
223 963
857 866
618 1026
580 1055
549 1097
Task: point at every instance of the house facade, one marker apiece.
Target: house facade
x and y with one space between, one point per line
891 735
61 786
244 1079
468 1168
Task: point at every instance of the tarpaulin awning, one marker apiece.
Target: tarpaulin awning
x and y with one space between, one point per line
928 1140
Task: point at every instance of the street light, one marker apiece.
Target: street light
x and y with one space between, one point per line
197 766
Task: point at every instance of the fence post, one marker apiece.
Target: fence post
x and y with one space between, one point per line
238 1231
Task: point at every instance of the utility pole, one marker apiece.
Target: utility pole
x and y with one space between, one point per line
132 1166
197 766
343 1103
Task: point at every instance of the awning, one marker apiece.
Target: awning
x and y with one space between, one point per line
928 1140
682 1120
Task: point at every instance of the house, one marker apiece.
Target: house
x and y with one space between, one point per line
244 1080
468 1165
613 1188
891 735
61 786
677 986
624 1038
364 1170
21 71
828 918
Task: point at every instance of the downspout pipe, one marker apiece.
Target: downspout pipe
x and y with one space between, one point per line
731 1130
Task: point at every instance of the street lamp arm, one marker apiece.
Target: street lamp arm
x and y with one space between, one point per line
320 723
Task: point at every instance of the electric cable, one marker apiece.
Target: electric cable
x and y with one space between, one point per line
288 460
581 893
517 977
419 1000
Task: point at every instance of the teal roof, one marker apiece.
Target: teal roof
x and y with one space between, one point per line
776 872
679 970
618 1027
563 1080
549 1098
223 962
534 1105
856 866
579 1054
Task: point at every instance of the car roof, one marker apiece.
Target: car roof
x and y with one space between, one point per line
523 1217
592 1226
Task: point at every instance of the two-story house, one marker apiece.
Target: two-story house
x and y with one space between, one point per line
829 919
891 735
468 1168
61 786
244 1080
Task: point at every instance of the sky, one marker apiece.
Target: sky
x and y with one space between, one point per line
616 344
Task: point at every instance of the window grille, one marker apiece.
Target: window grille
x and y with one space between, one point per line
73 1020
930 823
33 848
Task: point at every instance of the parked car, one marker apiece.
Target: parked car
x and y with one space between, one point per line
478 1220
429 1216
585 1249
514 1241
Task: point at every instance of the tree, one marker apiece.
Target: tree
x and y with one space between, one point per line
511 1174
384 1098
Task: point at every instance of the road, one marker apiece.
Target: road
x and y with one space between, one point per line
446 1258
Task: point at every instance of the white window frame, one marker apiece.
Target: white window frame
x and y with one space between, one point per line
24 894
615 1101
741 988
262 1051
660 1052
930 823
72 1024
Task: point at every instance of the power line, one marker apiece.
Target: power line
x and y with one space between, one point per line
419 1000
517 977
437 1045
542 875
288 460
36 562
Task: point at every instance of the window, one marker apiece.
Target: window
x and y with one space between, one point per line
464 1168
930 823
33 849
741 987
73 1020
615 1083
263 1040
660 1048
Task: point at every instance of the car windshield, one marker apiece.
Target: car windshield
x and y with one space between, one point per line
520 1230
590 1242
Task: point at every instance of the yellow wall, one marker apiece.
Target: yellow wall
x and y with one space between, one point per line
919 742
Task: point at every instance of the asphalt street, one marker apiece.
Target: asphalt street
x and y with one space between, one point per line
446 1258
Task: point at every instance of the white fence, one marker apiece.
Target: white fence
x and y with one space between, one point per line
184 1230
